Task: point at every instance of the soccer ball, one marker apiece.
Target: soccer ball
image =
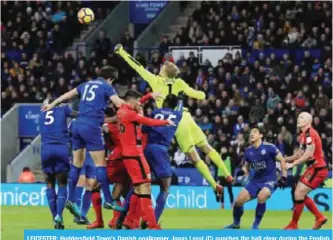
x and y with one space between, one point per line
85 15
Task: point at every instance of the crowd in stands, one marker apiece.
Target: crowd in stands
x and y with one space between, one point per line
241 89
257 25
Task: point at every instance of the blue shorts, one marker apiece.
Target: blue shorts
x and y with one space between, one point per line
86 136
254 187
88 169
158 159
55 158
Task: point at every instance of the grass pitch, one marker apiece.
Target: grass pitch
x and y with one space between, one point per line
15 219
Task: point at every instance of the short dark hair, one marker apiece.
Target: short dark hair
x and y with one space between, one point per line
260 129
107 72
132 94
170 101
26 169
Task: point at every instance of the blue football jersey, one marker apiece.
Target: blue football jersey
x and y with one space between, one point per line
262 162
164 134
53 125
94 97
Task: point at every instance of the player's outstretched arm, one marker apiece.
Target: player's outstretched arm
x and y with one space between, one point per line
149 121
62 98
145 74
295 156
191 92
117 100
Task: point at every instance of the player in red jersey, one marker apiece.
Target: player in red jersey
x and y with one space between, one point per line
136 165
312 154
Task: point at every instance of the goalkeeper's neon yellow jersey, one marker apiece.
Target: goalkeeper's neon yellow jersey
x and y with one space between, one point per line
160 84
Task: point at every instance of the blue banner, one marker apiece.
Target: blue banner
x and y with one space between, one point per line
190 177
143 12
29 120
179 197
177 235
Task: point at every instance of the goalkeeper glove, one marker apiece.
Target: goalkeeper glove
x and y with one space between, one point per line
283 182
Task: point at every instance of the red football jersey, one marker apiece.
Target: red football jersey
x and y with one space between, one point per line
130 129
114 133
309 137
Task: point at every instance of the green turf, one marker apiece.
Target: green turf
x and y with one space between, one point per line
15 219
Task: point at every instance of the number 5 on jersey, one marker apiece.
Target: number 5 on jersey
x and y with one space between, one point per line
89 94
49 119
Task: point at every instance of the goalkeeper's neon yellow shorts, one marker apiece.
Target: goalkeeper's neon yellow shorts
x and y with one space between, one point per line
189 134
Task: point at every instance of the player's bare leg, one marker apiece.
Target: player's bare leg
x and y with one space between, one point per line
301 197
102 178
238 209
204 171
74 173
262 197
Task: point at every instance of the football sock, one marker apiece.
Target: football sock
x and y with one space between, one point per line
217 160
134 211
61 200
160 204
310 204
116 214
97 205
74 174
126 203
78 196
147 210
237 214
52 199
260 211
86 202
204 171
103 180
298 209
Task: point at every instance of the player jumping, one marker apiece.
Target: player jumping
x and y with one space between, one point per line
136 164
156 151
188 134
311 153
87 132
55 157
260 156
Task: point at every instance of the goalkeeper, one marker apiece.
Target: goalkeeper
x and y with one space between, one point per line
188 134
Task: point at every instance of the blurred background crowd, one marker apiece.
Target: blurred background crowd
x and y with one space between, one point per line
241 89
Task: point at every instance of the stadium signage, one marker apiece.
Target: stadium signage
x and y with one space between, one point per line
179 197
29 120
143 12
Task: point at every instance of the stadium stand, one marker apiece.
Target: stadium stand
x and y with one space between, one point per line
258 84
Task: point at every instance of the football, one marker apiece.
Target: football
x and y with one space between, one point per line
85 15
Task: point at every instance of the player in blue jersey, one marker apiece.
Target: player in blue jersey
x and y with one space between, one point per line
159 140
261 158
55 157
87 132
